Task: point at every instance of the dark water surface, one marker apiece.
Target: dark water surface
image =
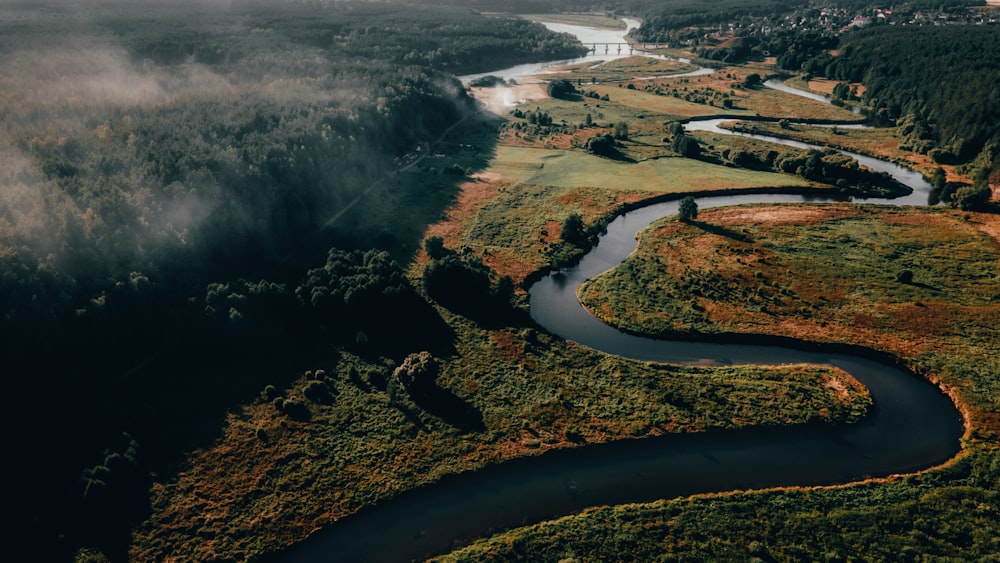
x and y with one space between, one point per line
913 426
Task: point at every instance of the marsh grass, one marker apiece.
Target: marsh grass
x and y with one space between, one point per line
826 273
525 392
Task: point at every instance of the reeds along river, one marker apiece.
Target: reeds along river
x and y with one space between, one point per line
913 426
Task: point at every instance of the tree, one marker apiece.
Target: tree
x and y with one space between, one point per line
686 146
752 80
435 247
560 88
971 198
601 145
688 209
621 130
938 179
572 229
418 372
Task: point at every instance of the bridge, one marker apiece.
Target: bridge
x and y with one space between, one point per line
619 48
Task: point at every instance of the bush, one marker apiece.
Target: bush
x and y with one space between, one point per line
971 198
296 409
560 88
688 209
601 145
417 372
317 392
906 276
572 230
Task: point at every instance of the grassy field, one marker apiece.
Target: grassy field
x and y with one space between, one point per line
828 273
502 393
513 213
506 390
576 169
623 69
882 142
589 20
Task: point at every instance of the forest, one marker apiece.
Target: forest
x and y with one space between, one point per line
178 189
180 216
919 77
924 78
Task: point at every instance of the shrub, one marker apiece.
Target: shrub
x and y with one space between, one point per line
573 231
688 209
296 409
417 372
560 88
601 145
317 392
906 276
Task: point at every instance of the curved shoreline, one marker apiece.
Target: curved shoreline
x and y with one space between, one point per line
461 507
914 426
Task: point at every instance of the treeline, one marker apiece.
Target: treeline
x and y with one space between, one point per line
168 175
456 40
942 84
663 21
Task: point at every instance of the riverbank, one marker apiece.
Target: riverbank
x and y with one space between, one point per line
810 256
513 391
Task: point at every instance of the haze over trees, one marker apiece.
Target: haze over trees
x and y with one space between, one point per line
185 193
173 176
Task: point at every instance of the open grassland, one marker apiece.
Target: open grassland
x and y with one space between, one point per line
827 273
512 214
504 390
575 169
271 479
637 84
822 85
881 142
589 20
760 100
619 70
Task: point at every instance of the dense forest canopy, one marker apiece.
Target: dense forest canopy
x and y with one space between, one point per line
938 81
170 172
169 176
942 82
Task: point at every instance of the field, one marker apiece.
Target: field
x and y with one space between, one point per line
826 273
506 390
620 70
882 142
271 479
589 20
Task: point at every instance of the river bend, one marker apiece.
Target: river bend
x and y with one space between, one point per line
912 426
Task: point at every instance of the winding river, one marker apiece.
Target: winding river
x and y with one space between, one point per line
913 426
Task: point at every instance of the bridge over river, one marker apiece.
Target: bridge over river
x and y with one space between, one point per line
608 48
